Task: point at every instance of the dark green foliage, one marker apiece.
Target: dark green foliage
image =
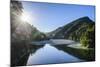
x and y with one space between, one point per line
88 38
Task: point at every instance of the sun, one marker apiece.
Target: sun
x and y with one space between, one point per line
26 17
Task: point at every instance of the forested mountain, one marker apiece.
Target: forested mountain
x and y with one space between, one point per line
82 30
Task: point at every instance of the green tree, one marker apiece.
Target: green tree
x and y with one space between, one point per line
88 38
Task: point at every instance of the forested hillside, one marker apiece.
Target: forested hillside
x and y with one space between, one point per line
81 30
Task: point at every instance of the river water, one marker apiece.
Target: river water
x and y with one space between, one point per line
49 54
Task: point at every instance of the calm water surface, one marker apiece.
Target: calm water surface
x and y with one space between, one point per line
49 54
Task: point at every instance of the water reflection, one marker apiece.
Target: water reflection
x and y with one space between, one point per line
24 57
84 54
34 48
49 54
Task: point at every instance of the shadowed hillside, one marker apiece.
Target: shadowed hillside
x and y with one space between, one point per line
82 30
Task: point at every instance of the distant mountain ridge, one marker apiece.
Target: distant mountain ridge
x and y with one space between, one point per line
73 30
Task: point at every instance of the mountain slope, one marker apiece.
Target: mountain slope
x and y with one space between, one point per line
75 30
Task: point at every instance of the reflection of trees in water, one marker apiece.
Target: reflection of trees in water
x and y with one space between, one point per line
20 52
23 60
34 48
61 47
31 50
85 54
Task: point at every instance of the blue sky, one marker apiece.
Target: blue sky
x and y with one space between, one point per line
47 17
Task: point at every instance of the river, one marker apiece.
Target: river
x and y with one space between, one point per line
48 54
